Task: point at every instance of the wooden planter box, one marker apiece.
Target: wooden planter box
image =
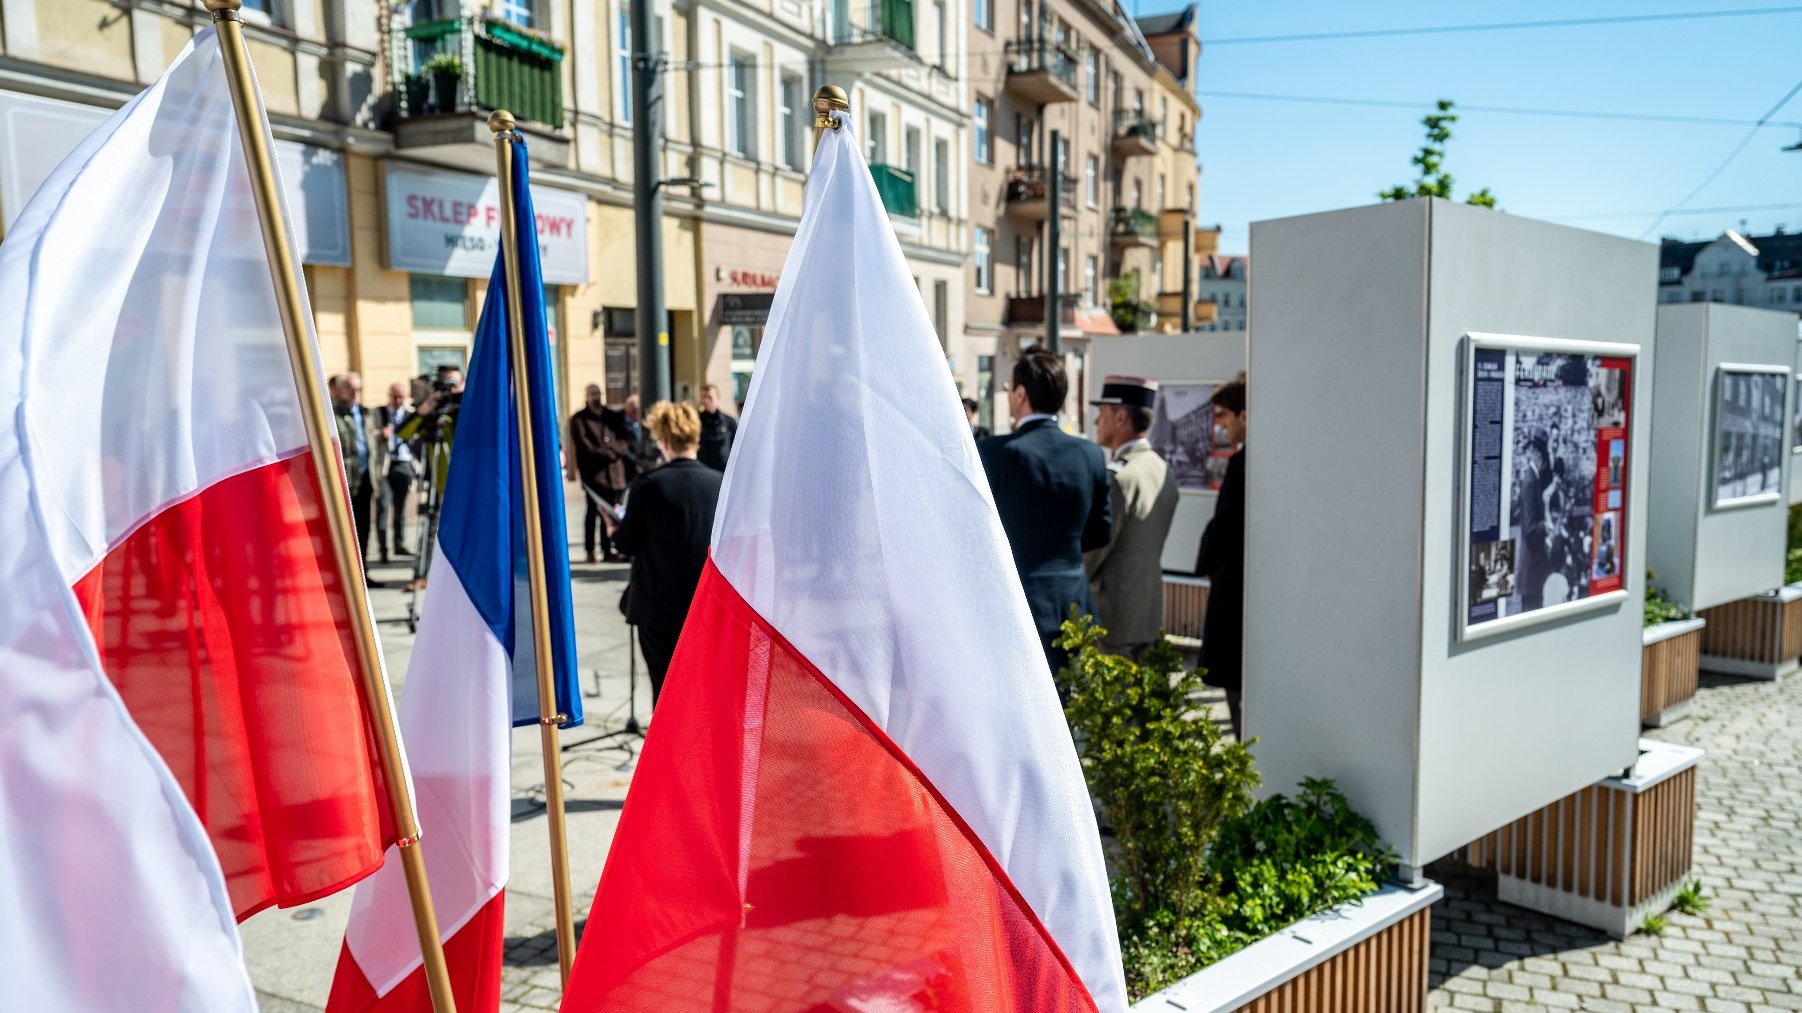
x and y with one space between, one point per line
1608 856
1368 956
1185 606
1667 671
1759 637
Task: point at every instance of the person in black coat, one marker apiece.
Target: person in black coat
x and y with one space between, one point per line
1051 490
1222 561
718 430
668 524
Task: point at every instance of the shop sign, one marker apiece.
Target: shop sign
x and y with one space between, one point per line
449 223
37 133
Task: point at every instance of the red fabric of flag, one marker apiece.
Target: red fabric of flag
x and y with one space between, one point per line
223 624
779 853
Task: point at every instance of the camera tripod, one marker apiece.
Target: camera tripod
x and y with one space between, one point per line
433 454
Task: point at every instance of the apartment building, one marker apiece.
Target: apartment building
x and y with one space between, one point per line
1763 271
1081 69
1177 176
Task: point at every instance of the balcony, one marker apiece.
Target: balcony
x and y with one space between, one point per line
503 67
896 187
1041 72
1027 310
1170 310
1132 227
871 36
1134 134
1171 222
1028 194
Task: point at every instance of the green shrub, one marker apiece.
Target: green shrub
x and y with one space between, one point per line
1792 560
1199 871
1660 609
443 63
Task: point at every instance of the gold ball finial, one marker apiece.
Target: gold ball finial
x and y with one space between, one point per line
224 10
830 97
501 121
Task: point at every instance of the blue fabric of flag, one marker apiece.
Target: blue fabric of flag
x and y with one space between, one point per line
481 529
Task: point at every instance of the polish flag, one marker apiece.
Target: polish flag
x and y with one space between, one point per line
473 676
859 792
172 666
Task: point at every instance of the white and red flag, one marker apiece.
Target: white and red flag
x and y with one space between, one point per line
167 532
859 792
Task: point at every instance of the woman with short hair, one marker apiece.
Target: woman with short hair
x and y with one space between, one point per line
667 526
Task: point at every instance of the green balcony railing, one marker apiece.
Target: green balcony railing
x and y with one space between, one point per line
1133 222
879 19
504 67
897 189
1039 54
1129 123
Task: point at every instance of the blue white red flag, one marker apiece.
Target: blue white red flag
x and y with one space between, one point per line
473 673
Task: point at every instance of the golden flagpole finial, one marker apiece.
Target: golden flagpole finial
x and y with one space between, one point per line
501 122
224 10
829 98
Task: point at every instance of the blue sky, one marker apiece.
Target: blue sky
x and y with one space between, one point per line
1264 159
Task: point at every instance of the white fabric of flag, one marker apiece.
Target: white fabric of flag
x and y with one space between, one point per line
113 898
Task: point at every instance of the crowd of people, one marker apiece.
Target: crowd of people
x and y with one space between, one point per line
1086 521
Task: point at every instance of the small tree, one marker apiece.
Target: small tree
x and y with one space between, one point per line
1434 181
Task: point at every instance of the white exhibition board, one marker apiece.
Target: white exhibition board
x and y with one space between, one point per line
1358 662
1185 364
1721 451
1795 473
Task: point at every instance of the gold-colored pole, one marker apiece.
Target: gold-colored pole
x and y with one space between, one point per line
502 124
328 471
828 99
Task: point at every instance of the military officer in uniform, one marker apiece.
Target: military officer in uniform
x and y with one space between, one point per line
1127 574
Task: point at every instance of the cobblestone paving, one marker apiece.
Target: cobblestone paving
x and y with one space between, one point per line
1741 955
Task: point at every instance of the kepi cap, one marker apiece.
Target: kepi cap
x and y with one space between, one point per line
1130 391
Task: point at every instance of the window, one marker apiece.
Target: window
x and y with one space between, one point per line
1022 266
1779 294
938 14
624 37
1163 116
1063 268
1091 296
741 105
1138 194
941 311
941 176
1139 101
439 303
1670 274
1091 181
984 14
1023 139
1190 203
1025 20
263 7
1113 87
910 150
876 141
1093 60
519 12
984 150
1157 276
1160 204
985 271
788 123
1698 296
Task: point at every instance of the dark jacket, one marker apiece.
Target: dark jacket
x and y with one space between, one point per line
669 521
718 430
1222 561
1051 490
603 448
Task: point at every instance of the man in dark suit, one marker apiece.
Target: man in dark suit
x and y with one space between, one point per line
1051 490
605 465
1536 533
1222 561
718 430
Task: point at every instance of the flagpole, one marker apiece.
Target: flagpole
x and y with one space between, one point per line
829 99
328 471
502 124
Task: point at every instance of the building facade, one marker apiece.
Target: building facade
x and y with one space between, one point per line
379 108
1763 271
1221 290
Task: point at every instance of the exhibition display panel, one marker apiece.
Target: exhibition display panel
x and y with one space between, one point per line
1546 433
1453 419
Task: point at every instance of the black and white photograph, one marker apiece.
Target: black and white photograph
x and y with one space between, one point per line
1608 392
1553 480
1492 571
1795 440
1183 433
1748 435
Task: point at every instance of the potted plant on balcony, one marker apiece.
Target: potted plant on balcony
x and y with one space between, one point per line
445 71
1129 311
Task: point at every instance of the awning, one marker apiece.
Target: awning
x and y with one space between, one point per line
1094 322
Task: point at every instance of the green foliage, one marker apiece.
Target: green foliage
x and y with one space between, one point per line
1433 180
444 63
1692 899
1200 871
1792 560
1654 925
1124 305
1660 609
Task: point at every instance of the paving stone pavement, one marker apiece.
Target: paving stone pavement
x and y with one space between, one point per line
1741 955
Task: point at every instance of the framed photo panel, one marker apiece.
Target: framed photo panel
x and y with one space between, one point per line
1749 422
1547 425
1185 434
1795 422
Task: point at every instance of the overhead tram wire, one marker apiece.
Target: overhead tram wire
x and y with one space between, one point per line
1734 209
1364 33
1725 162
1712 121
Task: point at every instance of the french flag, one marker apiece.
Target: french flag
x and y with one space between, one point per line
473 676
859 793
